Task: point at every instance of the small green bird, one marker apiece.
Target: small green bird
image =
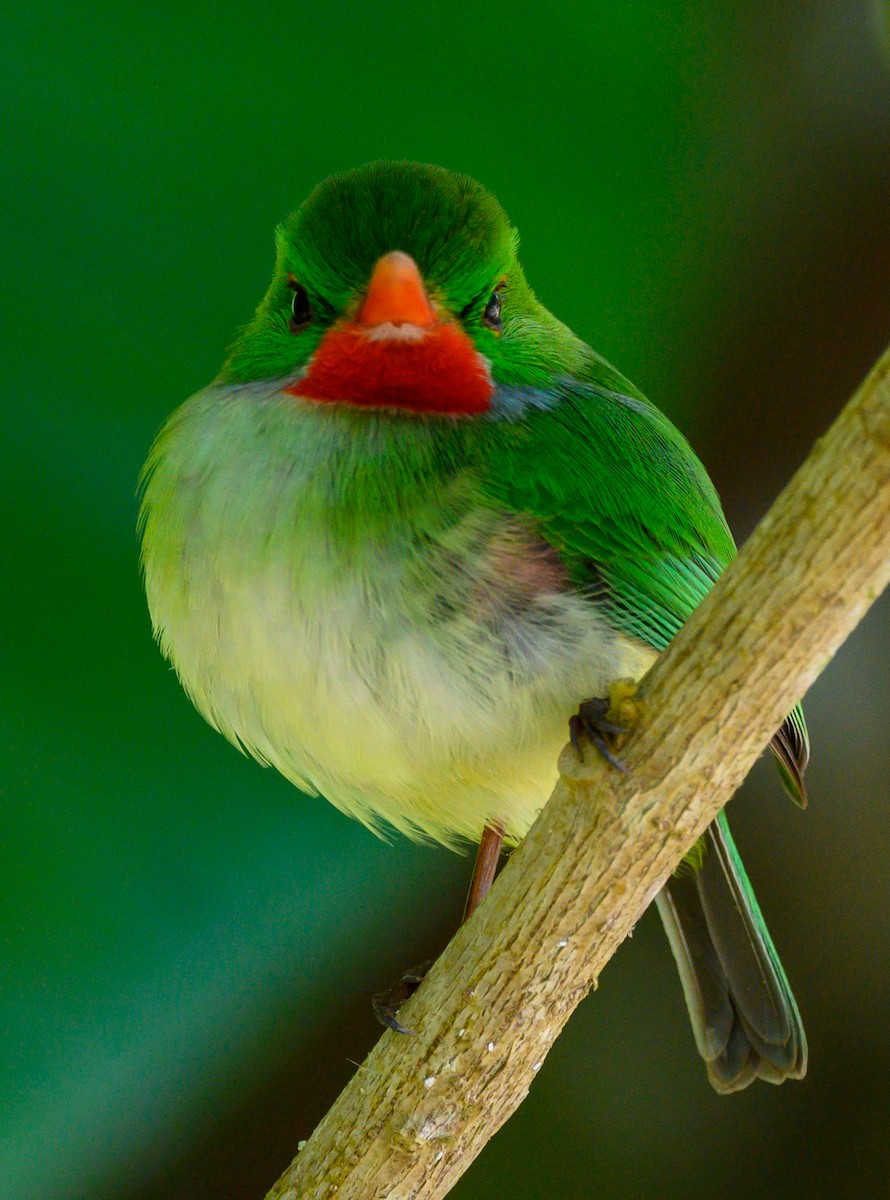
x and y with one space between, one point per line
413 524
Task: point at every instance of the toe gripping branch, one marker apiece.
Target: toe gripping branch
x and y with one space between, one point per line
603 721
387 1004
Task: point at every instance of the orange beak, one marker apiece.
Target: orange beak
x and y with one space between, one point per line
396 294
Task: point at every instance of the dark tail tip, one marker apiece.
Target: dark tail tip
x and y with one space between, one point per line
743 1012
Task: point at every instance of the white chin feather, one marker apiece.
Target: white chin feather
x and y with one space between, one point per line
388 332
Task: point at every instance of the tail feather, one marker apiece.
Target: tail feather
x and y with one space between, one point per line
743 1013
791 746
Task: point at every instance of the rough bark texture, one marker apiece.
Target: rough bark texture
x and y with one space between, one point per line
421 1108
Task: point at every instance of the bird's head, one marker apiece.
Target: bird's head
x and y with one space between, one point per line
398 286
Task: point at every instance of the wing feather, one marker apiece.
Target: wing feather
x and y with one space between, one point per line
619 492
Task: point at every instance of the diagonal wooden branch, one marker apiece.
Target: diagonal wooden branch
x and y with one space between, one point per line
420 1109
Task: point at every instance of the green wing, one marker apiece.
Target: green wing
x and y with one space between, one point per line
618 491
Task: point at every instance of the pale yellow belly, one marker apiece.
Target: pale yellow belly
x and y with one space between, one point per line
433 736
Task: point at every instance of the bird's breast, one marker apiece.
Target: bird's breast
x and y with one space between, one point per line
418 670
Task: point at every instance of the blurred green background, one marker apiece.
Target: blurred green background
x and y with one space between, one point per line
188 945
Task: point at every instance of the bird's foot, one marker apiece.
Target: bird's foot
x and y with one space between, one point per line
606 722
387 1004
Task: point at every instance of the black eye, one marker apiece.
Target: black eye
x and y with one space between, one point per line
301 311
492 315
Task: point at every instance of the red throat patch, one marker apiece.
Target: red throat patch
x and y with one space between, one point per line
439 371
